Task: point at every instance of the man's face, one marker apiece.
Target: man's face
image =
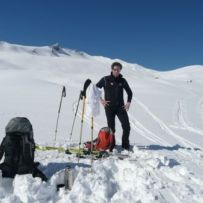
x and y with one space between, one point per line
116 71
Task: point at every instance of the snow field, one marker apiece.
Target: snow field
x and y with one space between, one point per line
166 117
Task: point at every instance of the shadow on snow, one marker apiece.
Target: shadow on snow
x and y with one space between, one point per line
53 168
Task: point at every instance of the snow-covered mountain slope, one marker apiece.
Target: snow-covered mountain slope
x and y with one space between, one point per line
167 107
166 117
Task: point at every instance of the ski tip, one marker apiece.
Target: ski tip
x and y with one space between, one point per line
88 81
86 85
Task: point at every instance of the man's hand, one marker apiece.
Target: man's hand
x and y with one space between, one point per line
104 102
127 106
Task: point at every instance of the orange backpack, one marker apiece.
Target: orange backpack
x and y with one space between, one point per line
104 141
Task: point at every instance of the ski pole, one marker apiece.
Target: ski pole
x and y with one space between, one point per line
82 121
92 128
62 95
71 133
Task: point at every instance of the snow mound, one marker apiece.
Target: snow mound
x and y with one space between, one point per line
146 175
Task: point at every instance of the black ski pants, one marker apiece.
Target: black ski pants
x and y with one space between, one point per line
111 113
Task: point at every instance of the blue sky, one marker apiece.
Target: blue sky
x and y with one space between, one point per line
158 34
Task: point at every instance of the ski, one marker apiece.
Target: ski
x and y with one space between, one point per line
97 154
83 153
81 95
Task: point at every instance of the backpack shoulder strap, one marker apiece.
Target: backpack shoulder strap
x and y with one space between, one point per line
27 149
2 148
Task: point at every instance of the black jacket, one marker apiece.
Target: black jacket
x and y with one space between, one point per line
113 89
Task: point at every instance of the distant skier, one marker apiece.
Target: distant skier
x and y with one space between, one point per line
114 103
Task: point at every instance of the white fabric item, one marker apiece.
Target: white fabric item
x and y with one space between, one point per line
92 100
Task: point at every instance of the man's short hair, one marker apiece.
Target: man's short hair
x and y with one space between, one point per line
116 64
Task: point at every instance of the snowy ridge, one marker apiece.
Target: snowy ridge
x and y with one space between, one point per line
166 117
53 50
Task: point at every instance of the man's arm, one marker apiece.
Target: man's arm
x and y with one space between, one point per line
128 90
101 83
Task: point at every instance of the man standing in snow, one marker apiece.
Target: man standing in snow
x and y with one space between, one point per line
114 103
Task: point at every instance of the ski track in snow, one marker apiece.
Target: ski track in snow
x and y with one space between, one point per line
185 142
182 122
165 128
143 131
